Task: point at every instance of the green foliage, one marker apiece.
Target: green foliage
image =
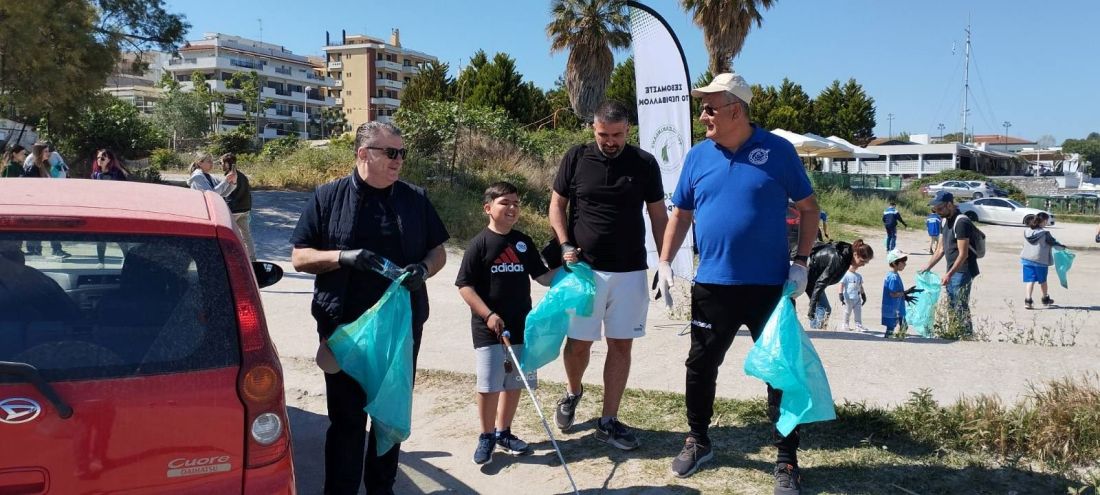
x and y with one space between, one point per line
430 84
104 122
857 117
793 109
249 87
147 174
55 55
827 109
1089 148
430 132
180 114
240 140
725 26
164 159
280 147
589 29
623 88
342 142
558 101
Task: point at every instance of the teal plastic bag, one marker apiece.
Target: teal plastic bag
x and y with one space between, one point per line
377 351
1063 260
785 358
571 293
921 314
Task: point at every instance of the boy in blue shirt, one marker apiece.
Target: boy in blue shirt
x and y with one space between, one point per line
890 219
932 222
893 293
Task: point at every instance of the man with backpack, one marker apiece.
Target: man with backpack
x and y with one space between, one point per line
963 243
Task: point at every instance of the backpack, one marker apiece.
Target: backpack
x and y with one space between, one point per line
977 241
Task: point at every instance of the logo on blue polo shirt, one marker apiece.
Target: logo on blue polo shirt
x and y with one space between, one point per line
759 156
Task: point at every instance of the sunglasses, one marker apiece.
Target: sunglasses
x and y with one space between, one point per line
391 153
102 157
709 110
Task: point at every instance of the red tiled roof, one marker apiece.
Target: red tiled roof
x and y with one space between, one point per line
1000 139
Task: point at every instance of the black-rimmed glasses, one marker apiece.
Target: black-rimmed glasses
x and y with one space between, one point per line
391 153
709 110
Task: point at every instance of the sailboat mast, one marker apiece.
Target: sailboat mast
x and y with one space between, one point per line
966 84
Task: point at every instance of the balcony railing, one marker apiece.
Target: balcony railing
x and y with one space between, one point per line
389 83
281 70
382 101
338 83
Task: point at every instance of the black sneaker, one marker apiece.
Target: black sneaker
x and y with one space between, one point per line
566 410
788 479
484 451
693 455
61 254
1028 303
1047 301
512 445
616 434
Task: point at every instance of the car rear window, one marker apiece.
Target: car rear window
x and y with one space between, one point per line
82 307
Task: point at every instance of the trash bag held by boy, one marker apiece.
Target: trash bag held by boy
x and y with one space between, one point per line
785 358
921 313
570 293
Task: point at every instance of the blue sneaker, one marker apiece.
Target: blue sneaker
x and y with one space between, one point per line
510 444
484 452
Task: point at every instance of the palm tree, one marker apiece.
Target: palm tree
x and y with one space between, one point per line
589 29
725 24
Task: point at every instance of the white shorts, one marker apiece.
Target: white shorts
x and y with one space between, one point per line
493 375
620 309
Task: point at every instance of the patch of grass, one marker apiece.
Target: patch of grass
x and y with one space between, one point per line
1047 443
847 207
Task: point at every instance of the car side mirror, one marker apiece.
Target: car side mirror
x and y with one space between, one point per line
267 273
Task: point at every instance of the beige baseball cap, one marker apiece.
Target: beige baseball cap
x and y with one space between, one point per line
729 82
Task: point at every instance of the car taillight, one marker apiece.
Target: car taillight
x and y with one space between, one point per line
260 382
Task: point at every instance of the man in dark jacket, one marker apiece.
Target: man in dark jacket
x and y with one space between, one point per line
350 224
240 203
890 219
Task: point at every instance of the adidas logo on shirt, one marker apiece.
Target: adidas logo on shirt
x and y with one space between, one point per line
507 262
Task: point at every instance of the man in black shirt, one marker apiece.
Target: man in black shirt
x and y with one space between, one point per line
596 213
962 264
240 203
348 224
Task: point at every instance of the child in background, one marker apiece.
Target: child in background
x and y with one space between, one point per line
852 295
493 280
1036 256
890 219
933 222
893 292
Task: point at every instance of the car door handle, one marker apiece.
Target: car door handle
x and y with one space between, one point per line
23 481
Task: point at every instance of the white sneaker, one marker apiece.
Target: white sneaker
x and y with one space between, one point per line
844 328
861 328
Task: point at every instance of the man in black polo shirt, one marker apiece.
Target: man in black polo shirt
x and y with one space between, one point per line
596 213
350 222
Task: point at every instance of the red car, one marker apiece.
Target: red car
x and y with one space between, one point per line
134 353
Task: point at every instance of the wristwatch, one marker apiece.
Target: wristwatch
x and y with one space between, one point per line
800 257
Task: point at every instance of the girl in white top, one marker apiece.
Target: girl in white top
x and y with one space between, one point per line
852 296
202 180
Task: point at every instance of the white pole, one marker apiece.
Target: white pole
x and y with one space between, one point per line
305 111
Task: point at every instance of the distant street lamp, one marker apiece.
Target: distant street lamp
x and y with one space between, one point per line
890 117
941 127
1006 125
305 110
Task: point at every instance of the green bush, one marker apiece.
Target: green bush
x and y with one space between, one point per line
280 147
344 141
430 131
239 140
148 174
164 159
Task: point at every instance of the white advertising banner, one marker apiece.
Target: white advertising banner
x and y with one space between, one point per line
664 111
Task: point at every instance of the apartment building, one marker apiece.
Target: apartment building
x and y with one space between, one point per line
370 74
137 85
291 81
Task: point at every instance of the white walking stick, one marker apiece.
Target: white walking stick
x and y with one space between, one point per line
538 407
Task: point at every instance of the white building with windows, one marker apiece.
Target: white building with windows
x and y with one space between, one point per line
918 160
290 81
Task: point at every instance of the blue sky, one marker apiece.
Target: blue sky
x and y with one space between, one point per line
1034 65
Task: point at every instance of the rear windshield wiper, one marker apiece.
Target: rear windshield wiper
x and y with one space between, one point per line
31 375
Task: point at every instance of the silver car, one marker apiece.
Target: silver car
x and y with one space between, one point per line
963 189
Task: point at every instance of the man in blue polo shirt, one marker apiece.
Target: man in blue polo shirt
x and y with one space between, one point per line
735 186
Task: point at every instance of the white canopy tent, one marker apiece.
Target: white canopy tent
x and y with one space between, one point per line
857 151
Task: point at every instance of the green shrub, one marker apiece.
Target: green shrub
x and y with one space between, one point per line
344 141
238 141
164 159
280 147
148 174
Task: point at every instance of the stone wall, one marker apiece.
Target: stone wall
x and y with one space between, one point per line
1033 186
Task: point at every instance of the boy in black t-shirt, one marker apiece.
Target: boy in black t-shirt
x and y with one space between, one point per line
493 281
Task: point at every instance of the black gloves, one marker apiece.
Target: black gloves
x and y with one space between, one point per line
842 303
566 248
909 297
863 297
418 273
1097 237
360 259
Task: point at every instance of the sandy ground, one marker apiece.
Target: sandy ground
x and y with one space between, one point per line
861 367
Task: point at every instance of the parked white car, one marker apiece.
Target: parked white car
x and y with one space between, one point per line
999 210
963 189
